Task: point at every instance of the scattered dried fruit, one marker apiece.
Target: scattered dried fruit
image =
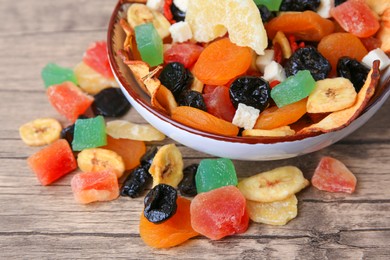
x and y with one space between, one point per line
40 131
128 130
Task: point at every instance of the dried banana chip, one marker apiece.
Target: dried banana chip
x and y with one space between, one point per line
167 166
277 184
99 159
40 131
273 213
124 129
280 131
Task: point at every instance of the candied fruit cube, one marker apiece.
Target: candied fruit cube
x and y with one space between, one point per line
89 133
149 44
53 74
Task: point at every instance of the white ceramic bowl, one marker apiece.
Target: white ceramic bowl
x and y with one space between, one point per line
240 148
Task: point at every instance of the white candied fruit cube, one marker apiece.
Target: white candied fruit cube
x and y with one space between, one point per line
324 8
274 71
377 54
245 116
155 4
264 60
182 5
180 32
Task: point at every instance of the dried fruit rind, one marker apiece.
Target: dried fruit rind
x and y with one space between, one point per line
277 184
40 131
128 130
167 166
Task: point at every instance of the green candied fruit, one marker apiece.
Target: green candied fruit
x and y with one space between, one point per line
272 5
149 43
293 89
215 173
52 74
89 133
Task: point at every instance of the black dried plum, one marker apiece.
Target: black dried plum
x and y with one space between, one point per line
299 5
176 78
308 58
251 91
187 186
265 13
178 15
192 98
110 102
147 158
339 2
136 182
353 70
160 203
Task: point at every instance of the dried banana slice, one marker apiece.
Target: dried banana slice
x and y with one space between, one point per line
40 131
99 159
273 213
277 184
331 95
125 129
280 131
282 40
167 166
139 14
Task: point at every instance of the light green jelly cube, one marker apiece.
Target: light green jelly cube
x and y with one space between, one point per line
149 44
272 5
52 74
89 133
215 173
293 89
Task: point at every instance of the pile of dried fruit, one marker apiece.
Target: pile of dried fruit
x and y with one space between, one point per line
271 68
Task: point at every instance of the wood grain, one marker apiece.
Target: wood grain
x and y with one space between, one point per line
39 222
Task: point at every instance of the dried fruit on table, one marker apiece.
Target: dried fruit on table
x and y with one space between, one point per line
308 25
333 176
203 121
89 133
331 94
277 184
52 162
215 173
40 131
187 185
280 131
69 100
149 44
136 182
273 213
110 102
99 159
96 57
89 187
219 213
222 61
160 203
220 17
185 53
218 103
91 81
128 130
172 232
167 166
53 74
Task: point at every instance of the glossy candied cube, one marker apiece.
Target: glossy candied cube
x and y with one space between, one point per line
89 133
149 43
53 74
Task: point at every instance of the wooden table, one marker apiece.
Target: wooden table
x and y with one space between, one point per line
39 222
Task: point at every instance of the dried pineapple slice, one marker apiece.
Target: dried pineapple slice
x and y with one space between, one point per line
40 131
124 129
280 131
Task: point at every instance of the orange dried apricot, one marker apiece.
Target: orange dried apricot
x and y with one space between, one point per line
275 117
307 26
221 61
204 121
171 232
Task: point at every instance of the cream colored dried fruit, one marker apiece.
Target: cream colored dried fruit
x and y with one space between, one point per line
125 129
277 184
40 131
273 213
99 159
280 131
167 166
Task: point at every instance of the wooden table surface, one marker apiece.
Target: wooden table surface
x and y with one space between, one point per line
39 222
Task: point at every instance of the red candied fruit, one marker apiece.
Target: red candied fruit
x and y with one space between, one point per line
219 213
96 57
185 53
53 162
218 102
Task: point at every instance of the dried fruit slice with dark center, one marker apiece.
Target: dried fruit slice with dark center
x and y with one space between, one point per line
160 203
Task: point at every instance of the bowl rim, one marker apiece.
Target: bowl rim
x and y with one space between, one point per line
380 93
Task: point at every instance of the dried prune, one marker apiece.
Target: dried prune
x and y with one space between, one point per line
299 5
147 158
136 182
308 58
176 78
178 15
187 186
160 203
339 2
110 102
251 91
353 70
265 13
192 98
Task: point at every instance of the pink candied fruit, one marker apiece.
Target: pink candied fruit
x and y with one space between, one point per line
53 162
185 53
69 100
89 187
219 213
96 57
